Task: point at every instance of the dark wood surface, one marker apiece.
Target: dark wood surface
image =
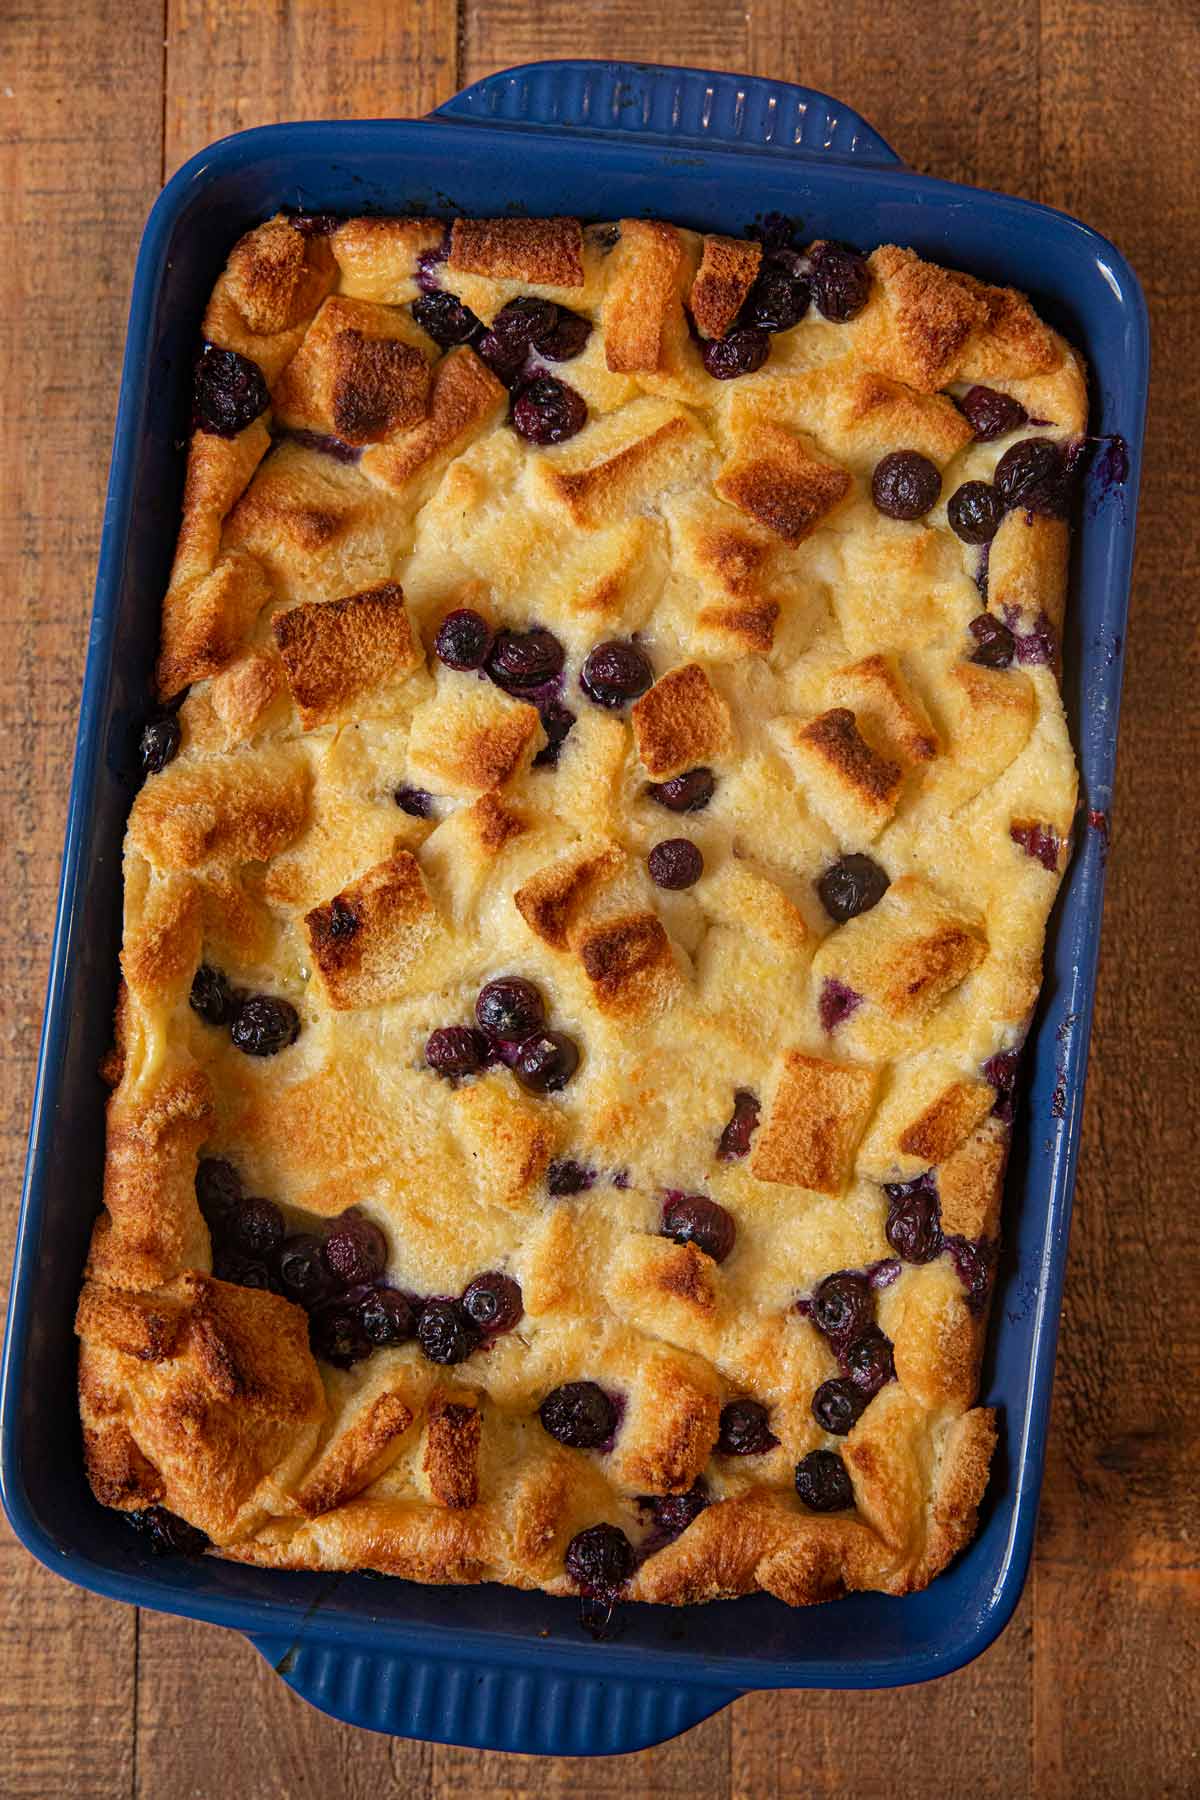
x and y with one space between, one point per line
1091 105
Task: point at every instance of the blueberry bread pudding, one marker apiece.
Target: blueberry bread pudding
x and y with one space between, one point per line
607 787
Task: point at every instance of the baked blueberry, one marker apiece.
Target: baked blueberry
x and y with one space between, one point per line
851 886
521 660
600 1560
740 353
914 1223
505 346
355 1251
166 1533
735 1139
974 512
673 1513
905 485
547 411
493 1302
242 1271
386 1317
675 863
1001 1071
835 1003
579 1414
463 639
510 1009
689 792
991 414
1041 842
211 995
1030 474
868 1361
995 645
416 802
257 1228
780 295
159 743
974 1263
557 721
695 1219
822 1482
456 1050
837 1406
445 319
228 393
569 1177
264 1025
546 1062
842 1306
566 339
840 281
336 1334
445 1333
303 1273
218 1192
745 1429
614 673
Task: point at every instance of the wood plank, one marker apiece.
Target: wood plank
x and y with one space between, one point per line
692 1767
502 33
1117 1581
69 227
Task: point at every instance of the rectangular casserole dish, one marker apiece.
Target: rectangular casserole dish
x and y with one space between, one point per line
490 1667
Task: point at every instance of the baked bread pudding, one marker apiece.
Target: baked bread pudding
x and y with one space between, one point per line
583 910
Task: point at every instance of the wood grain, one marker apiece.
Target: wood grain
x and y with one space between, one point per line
1083 103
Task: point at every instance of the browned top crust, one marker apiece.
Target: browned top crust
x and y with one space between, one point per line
542 252
357 827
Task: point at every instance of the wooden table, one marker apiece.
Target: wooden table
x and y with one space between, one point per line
1091 105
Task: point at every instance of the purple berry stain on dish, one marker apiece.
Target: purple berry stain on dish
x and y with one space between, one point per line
1098 822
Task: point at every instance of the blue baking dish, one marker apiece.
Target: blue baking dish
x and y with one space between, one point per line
487 1666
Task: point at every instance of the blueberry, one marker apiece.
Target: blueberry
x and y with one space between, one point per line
303 1274
579 1414
675 863
614 673
689 792
493 1303
835 1003
510 1009
840 281
1001 1071
547 411
735 1139
1031 474
905 485
741 353
546 1062
779 298
974 511
822 1482
557 721
995 645
694 1219
337 1336
166 1533
673 1513
355 1251
444 1332
463 640
991 414
852 886
228 393
257 1228
416 802
211 996
520 660
263 1025
446 320
159 743
386 1317
566 340
568 1177
218 1192
343 920
600 1560
506 345
842 1306
314 225
745 1429
1041 842
975 1264
456 1050
428 263
914 1224
869 1363
242 1271
837 1406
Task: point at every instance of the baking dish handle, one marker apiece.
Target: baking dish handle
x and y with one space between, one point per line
682 106
489 1706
